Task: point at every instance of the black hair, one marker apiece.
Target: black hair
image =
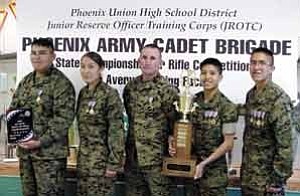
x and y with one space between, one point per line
95 57
266 51
45 42
212 61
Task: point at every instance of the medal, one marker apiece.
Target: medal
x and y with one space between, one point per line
263 118
150 100
213 121
195 105
258 123
251 117
91 106
38 99
214 117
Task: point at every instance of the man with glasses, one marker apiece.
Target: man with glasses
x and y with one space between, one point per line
267 153
51 97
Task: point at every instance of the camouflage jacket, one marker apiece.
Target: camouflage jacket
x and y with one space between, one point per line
52 100
100 125
208 119
151 115
267 153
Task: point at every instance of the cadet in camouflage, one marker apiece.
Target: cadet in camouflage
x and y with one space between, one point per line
214 119
51 96
267 150
100 124
148 101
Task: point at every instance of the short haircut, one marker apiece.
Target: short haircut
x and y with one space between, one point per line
152 45
45 42
212 61
95 57
266 51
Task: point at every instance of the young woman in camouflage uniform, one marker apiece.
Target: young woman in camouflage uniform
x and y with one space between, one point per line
99 116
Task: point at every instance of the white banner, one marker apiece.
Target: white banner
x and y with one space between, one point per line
187 31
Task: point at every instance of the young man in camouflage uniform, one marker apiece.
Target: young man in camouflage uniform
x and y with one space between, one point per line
267 153
148 101
214 123
51 96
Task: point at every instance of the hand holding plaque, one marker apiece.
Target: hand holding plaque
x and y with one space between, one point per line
181 164
19 125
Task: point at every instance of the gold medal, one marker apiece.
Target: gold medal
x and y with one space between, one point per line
38 99
213 121
91 106
92 111
258 123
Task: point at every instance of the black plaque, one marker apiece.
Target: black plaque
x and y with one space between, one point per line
19 125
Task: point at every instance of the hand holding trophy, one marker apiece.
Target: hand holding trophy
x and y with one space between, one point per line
181 164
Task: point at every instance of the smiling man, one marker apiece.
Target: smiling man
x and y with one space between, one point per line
267 153
51 96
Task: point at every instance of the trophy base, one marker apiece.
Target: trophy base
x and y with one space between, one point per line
179 167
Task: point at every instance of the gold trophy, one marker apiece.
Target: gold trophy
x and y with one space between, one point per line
182 164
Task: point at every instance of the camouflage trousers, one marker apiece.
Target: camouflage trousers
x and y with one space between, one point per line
195 188
95 186
42 177
212 191
147 182
246 191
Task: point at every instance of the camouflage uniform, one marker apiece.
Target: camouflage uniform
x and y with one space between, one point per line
296 130
99 116
267 154
52 99
208 120
149 105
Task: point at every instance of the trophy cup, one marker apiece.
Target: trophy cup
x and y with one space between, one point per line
181 164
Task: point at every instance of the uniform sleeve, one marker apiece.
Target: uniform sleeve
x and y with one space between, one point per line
229 128
14 101
63 113
115 131
229 117
170 96
126 98
281 121
229 113
15 98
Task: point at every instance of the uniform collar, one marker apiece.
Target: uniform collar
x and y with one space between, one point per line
47 73
98 85
154 79
212 102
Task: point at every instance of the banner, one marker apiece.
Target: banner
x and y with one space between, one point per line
187 31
